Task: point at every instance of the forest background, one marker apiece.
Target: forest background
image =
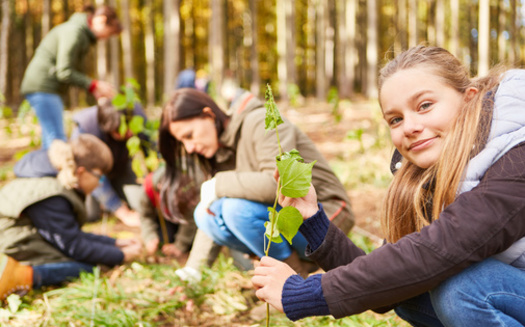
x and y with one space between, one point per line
304 47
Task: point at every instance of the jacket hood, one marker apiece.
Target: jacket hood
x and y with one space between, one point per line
35 164
241 106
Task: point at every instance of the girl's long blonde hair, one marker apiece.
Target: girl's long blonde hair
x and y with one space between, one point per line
416 195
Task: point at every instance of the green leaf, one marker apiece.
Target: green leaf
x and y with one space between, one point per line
133 145
273 117
292 154
288 222
119 101
295 177
136 125
123 127
136 166
276 237
152 161
133 83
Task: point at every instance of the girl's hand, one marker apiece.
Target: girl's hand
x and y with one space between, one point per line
131 248
104 89
306 205
268 280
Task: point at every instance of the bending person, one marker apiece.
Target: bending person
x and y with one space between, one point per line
240 156
41 220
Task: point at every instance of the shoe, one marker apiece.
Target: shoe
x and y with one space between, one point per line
189 274
14 277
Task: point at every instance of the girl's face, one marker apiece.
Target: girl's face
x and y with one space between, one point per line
102 30
88 180
419 108
197 134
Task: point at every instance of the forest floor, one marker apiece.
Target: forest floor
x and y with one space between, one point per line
352 136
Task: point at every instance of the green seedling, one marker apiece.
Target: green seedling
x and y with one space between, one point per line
294 181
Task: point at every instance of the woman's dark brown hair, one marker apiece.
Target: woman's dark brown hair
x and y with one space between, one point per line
184 104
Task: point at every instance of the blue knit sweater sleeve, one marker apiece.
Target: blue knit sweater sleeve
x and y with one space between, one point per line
304 297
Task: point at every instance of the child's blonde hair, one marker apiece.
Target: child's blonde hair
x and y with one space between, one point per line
416 195
85 151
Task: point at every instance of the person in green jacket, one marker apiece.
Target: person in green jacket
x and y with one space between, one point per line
240 156
41 239
57 64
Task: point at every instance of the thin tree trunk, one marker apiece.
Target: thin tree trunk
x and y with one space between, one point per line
282 67
125 39
114 52
513 53
483 37
371 49
216 44
412 23
329 46
320 75
171 44
46 17
255 84
454 27
4 46
501 28
102 50
290 42
401 24
350 51
149 47
440 23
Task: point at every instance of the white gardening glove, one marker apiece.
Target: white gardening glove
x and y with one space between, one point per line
208 194
189 274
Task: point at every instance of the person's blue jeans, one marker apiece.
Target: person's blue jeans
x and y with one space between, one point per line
58 272
490 293
239 224
50 110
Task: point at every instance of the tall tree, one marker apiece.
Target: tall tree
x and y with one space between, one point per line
501 30
4 45
46 16
149 48
102 50
513 29
114 52
255 84
454 27
412 23
171 44
371 49
483 37
282 49
125 38
321 24
440 23
346 41
216 43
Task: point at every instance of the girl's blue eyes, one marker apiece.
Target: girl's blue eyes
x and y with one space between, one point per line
425 105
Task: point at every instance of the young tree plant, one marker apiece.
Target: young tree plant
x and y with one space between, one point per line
294 181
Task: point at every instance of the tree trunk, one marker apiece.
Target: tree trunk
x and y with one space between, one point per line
255 85
483 37
102 50
171 44
149 47
514 36
501 28
46 17
4 47
216 44
114 55
401 29
440 23
454 27
320 75
282 67
329 45
125 39
412 23
371 49
350 51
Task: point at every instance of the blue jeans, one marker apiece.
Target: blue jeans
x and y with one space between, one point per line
58 272
490 293
239 224
49 109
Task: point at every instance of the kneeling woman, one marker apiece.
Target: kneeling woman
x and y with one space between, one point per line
240 156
